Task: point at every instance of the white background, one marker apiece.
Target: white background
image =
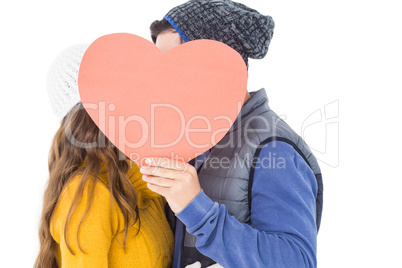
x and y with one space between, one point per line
345 53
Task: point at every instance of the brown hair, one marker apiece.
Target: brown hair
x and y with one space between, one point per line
66 159
159 26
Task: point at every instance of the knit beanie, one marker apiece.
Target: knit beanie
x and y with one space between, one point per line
238 26
62 80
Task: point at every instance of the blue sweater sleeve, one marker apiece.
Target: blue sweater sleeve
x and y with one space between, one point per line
283 231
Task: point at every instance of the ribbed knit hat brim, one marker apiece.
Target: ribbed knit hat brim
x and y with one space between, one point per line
238 26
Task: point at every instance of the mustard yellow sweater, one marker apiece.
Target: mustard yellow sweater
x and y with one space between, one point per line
151 247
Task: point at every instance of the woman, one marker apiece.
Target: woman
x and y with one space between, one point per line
97 212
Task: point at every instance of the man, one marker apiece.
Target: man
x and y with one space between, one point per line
261 206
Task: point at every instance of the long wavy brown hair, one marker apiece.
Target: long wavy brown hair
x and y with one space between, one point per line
79 141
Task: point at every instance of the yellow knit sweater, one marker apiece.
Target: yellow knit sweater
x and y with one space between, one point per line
151 247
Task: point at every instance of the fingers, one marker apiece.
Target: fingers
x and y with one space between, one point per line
161 172
158 189
158 181
175 180
167 168
167 163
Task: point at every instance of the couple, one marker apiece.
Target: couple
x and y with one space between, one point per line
101 210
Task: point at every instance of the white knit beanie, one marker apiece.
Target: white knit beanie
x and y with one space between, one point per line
62 80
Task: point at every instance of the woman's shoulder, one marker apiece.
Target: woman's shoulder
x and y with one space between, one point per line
144 193
100 202
76 182
135 176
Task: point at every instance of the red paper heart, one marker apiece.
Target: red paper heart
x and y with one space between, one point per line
176 105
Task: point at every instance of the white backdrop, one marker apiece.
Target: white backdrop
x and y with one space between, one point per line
333 71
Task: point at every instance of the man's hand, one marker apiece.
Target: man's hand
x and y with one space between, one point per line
175 180
198 265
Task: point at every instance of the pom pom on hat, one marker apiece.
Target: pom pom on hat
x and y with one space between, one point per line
238 26
62 80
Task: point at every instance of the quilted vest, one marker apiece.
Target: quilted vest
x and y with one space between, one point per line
226 176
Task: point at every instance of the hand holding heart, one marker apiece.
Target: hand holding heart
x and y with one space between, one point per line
175 180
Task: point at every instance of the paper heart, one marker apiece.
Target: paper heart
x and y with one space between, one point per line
176 105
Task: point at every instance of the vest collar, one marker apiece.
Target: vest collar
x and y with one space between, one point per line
257 98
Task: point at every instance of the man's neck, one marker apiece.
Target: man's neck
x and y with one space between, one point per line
247 97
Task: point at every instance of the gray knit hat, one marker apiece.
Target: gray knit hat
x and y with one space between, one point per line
62 80
238 26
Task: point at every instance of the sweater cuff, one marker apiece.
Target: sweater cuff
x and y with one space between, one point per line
196 210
